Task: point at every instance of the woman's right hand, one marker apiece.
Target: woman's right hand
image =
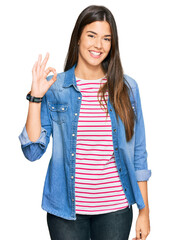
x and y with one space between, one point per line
40 85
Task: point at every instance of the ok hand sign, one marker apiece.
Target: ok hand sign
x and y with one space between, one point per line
40 85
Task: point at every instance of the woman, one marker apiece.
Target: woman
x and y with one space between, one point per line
98 168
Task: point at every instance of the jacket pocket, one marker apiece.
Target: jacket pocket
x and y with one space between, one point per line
58 112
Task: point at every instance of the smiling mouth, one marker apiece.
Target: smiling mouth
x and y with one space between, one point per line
95 54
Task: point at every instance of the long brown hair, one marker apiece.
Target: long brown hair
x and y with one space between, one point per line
116 85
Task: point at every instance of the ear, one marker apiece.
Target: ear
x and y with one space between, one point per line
78 42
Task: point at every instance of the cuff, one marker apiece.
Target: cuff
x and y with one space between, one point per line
25 141
143 175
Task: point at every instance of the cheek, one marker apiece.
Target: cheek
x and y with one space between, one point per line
107 48
84 47
86 43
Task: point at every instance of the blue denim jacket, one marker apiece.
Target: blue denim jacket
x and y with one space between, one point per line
59 116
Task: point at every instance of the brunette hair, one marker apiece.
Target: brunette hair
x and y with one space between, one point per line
116 85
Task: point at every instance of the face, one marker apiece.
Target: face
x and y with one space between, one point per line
94 43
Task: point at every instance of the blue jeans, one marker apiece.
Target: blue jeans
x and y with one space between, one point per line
107 226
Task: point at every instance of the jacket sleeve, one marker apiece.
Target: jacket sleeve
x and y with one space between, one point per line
140 154
34 150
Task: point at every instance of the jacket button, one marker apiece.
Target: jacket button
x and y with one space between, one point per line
110 109
75 114
72 154
120 169
72 200
125 189
73 134
72 177
114 130
79 97
116 149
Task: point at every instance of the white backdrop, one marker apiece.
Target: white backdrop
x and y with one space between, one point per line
29 28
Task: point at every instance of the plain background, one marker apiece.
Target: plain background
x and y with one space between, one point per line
32 27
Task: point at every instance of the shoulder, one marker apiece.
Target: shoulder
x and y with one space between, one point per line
133 87
130 81
57 85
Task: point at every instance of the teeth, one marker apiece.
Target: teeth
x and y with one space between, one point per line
95 53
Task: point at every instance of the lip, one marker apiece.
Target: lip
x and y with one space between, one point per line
95 51
94 55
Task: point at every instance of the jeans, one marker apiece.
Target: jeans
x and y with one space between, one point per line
108 226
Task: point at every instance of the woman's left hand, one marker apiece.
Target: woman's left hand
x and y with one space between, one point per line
142 226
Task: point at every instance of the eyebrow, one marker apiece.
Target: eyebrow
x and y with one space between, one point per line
107 35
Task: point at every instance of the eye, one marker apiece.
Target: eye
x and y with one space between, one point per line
107 39
90 35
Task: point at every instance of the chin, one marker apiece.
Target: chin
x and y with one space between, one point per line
95 63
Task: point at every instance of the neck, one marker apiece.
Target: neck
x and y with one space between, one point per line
88 71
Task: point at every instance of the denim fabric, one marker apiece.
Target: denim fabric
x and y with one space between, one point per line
109 226
60 109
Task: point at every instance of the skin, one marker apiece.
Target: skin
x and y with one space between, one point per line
143 221
38 89
88 67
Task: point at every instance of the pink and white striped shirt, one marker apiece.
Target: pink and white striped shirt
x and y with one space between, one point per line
98 188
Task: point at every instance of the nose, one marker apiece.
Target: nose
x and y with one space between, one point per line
98 43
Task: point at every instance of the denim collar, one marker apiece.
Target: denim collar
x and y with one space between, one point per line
70 77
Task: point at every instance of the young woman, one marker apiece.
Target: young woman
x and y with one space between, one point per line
98 168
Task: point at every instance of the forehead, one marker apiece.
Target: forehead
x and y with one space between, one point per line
100 27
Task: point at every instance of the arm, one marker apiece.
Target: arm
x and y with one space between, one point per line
39 133
142 172
140 154
36 133
143 221
144 191
33 123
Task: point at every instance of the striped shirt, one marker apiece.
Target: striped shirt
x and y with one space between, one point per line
98 188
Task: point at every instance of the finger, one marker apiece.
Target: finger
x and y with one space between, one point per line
48 70
54 78
34 69
43 65
143 237
138 234
39 62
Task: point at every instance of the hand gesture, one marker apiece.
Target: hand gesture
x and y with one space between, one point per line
40 85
